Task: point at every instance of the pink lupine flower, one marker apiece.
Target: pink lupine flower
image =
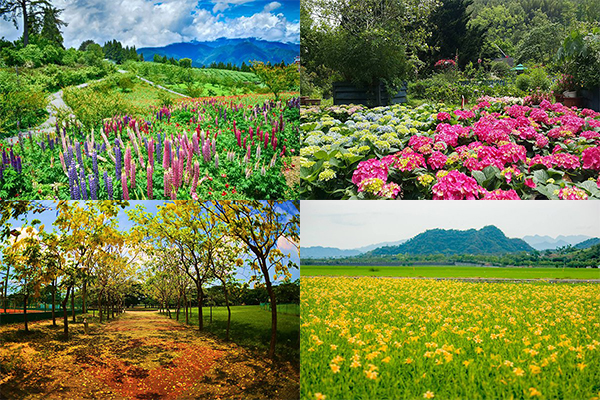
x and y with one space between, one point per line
133 176
149 181
124 186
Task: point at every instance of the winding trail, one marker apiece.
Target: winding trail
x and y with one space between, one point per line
141 355
57 102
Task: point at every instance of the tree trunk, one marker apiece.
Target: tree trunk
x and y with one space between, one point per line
65 314
228 312
185 301
6 287
83 296
211 313
100 307
265 272
200 298
25 309
73 306
25 23
53 302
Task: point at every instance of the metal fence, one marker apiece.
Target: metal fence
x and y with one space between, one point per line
34 316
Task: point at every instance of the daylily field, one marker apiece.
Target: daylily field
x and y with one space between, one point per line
498 149
383 338
219 148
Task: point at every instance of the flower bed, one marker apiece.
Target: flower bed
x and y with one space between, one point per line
202 148
491 151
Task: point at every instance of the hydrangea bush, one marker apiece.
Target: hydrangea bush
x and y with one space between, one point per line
494 150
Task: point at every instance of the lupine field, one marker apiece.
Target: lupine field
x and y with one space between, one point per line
498 149
382 338
221 148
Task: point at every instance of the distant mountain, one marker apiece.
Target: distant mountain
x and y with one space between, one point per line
370 247
548 243
487 240
326 252
334 252
587 243
234 51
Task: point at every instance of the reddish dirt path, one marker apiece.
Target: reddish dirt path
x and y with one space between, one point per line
141 355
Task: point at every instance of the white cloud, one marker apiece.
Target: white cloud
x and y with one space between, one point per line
272 6
146 23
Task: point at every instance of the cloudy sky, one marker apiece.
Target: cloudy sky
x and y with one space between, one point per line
151 23
352 224
48 217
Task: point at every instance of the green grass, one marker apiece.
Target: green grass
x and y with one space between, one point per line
144 95
251 328
445 271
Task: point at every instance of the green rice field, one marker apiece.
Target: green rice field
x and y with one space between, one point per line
446 271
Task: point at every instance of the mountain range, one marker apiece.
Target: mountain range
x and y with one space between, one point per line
549 243
234 51
334 252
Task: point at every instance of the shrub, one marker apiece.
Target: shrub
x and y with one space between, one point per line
523 82
91 106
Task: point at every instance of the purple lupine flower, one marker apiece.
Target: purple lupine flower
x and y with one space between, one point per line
78 150
217 161
118 161
93 188
70 157
158 145
95 164
21 140
86 149
83 183
105 176
19 165
109 188
206 151
1 172
103 148
72 179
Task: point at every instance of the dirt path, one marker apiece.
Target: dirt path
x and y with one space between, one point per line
57 102
142 355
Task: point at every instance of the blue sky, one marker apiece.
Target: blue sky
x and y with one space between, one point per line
147 23
48 217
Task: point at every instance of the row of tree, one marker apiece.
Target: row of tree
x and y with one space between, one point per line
173 257
191 245
565 257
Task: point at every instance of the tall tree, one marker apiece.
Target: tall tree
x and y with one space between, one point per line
12 10
52 24
260 225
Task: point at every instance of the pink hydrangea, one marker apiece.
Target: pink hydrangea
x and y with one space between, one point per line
546 161
539 115
566 161
368 169
541 141
422 144
455 185
464 114
589 135
408 160
591 158
529 183
437 160
443 116
586 112
390 190
500 194
572 193
512 153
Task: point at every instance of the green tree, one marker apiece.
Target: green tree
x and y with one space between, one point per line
277 79
29 10
52 24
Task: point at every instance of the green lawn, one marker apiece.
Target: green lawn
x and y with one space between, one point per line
445 271
251 328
